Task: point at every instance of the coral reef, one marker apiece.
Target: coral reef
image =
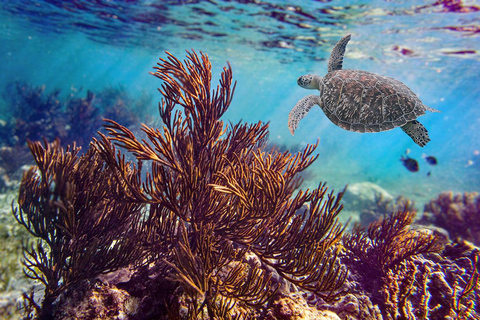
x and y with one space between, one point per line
409 274
35 114
373 202
12 281
81 232
456 213
383 206
388 242
353 306
229 199
208 223
295 307
96 302
362 195
437 288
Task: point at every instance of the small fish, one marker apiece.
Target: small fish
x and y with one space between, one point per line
430 160
410 164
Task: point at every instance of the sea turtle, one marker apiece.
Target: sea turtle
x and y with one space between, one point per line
361 101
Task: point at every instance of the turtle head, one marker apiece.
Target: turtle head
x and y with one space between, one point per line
309 81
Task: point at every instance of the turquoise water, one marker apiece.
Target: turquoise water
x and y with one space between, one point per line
432 46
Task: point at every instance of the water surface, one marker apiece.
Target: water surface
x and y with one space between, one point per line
432 46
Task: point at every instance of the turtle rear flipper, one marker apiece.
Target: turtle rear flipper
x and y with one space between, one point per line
300 110
417 132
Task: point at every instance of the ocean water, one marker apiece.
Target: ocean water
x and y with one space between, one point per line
431 46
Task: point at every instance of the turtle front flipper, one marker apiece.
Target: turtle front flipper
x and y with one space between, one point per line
336 57
417 132
300 110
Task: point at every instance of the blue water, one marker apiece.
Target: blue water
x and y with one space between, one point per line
432 46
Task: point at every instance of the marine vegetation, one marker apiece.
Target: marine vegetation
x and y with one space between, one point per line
387 242
409 273
456 213
208 220
81 231
35 114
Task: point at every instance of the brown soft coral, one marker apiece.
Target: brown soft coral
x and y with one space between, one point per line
434 287
388 242
212 197
456 213
378 256
402 270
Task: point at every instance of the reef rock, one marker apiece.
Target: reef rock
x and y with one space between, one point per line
356 306
295 307
97 302
363 195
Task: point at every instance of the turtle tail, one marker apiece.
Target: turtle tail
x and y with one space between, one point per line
432 109
417 132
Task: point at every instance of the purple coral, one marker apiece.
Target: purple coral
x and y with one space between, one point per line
456 213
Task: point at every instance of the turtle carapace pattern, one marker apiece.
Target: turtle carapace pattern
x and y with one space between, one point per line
361 101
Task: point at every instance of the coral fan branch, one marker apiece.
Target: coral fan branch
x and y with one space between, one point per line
389 241
206 208
82 231
383 256
229 195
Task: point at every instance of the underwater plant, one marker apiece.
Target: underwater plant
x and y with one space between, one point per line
84 115
388 241
35 114
84 119
218 198
80 230
409 273
116 104
434 287
456 213
383 249
223 225
384 206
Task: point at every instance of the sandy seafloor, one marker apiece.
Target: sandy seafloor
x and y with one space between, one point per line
432 46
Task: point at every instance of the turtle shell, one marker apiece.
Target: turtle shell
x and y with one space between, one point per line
362 101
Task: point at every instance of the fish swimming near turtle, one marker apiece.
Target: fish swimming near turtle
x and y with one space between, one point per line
431 160
409 163
361 101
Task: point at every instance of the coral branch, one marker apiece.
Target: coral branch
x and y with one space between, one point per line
82 231
206 209
229 195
